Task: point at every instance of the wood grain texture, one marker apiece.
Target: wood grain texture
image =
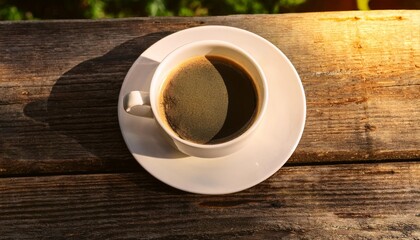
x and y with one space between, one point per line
59 85
352 201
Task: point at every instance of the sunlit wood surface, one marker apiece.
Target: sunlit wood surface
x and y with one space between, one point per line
65 171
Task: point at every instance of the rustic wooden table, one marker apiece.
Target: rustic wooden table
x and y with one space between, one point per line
65 171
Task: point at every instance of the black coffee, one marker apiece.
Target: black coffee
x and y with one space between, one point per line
209 100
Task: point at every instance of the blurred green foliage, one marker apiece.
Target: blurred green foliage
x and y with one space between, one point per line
10 12
45 9
94 9
363 5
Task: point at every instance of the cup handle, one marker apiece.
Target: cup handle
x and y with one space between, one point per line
138 103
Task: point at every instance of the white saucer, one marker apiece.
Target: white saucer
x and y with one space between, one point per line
270 147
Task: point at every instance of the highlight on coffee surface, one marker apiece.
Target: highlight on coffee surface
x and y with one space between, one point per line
208 100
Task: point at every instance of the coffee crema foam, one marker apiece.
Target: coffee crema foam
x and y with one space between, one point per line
208 100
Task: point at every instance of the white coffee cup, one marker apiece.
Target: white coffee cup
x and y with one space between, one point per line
146 104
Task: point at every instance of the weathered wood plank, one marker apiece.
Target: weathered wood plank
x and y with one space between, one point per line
59 84
352 201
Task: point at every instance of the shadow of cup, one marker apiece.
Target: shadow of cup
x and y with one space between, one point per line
83 102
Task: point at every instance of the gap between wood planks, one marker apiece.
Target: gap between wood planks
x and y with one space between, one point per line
287 165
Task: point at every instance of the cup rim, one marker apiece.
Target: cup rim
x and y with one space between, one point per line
219 43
